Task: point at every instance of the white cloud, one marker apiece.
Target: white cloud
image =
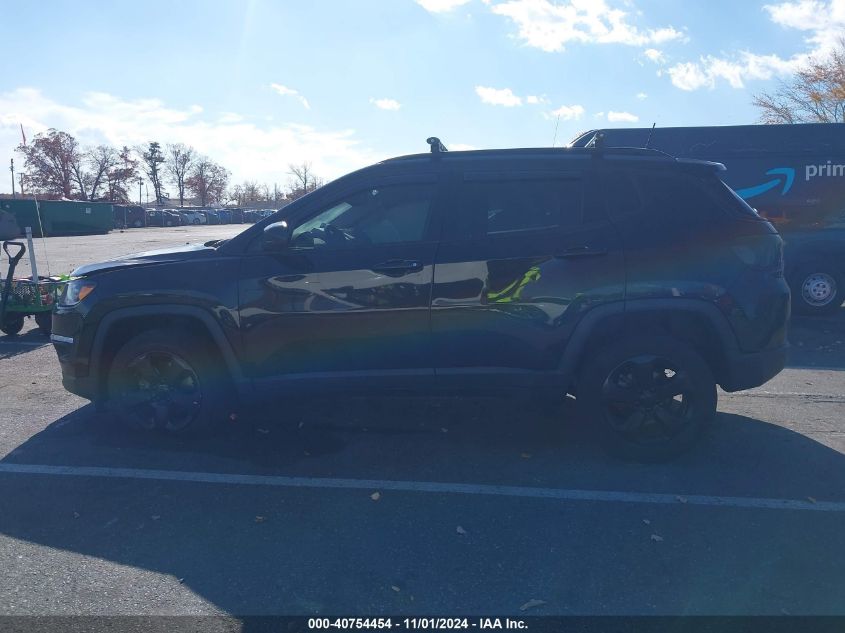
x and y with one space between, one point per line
621 117
536 100
549 26
567 113
498 96
641 96
285 91
441 6
250 151
230 117
824 22
654 55
386 104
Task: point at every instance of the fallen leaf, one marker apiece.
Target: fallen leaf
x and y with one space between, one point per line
646 521
301 424
263 431
811 499
181 580
155 517
444 429
461 530
525 455
656 538
531 604
681 499
260 519
375 496
75 514
233 417
395 588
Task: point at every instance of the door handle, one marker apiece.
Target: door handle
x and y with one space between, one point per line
397 267
581 251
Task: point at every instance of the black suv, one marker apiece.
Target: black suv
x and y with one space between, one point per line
628 279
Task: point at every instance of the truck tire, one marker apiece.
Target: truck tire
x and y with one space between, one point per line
817 288
12 323
648 399
169 380
44 320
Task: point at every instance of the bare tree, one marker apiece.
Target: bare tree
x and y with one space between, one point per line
100 161
49 159
119 177
816 94
207 181
153 159
178 161
304 180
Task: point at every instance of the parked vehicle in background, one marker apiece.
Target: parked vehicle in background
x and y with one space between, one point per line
192 216
128 216
635 281
210 216
161 217
794 175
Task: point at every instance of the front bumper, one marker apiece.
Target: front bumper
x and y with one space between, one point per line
66 334
752 369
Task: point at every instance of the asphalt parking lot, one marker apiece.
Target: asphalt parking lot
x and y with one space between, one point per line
433 506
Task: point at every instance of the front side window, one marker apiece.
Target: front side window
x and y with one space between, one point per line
492 208
381 215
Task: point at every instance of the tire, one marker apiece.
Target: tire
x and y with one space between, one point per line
817 289
196 221
44 320
169 380
648 399
12 323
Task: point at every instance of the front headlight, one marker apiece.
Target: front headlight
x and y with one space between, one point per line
75 291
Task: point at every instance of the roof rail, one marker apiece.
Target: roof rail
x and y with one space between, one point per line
436 146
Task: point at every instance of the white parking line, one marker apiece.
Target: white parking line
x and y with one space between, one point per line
423 486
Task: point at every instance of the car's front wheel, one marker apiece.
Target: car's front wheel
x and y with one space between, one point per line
168 380
648 398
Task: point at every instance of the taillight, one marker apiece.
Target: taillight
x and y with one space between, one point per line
764 252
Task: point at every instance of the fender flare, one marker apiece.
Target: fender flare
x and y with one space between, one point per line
114 317
577 343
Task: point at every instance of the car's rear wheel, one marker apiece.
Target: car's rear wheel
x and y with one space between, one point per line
648 398
168 380
817 289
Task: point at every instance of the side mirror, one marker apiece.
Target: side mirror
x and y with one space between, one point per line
276 236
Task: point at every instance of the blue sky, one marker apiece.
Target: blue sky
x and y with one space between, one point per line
259 84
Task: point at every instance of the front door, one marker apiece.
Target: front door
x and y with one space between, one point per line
349 299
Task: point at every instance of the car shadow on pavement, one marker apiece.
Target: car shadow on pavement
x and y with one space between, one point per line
260 550
11 346
817 341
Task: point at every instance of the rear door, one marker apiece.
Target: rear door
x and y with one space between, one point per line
523 256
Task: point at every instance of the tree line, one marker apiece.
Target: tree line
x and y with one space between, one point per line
57 166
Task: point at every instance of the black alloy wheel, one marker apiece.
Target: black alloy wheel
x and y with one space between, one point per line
648 398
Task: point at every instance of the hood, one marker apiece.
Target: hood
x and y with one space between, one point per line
146 258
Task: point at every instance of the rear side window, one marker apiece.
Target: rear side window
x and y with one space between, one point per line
672 194
489 208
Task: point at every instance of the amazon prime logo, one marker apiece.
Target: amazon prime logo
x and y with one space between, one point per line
788 177
825 169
